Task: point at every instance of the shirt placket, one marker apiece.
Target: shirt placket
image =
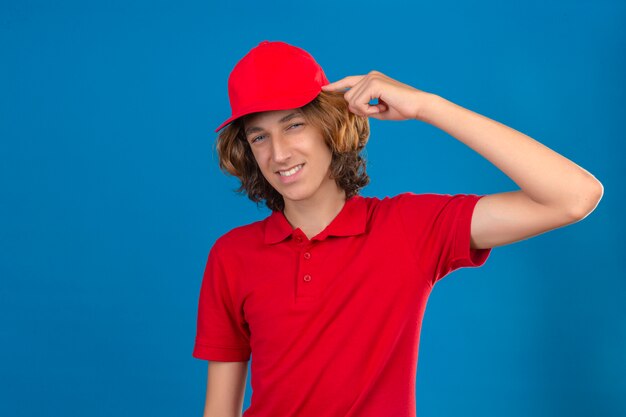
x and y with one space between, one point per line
308 281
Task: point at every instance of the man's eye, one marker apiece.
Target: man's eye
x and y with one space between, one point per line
254 139
261 136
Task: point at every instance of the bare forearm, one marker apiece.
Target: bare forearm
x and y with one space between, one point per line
544 175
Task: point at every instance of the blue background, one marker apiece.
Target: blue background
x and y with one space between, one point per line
111 195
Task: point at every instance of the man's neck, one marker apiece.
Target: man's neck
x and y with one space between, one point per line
313 216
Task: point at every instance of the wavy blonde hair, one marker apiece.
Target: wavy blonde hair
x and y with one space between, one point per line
345 133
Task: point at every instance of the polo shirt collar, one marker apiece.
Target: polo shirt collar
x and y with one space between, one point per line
350 221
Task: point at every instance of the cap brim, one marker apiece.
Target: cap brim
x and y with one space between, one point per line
282 104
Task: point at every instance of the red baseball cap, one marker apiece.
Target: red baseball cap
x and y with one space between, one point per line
273 76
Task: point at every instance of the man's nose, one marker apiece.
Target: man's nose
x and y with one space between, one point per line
280 148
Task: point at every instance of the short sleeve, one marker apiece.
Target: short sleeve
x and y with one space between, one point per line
438 230
222 333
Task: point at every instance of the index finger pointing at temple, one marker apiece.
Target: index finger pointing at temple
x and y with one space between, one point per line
346 82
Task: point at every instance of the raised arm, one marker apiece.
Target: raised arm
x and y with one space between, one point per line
554 190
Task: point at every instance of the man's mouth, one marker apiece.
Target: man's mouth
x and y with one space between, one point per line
289 172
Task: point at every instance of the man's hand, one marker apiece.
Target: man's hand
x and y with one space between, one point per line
396 101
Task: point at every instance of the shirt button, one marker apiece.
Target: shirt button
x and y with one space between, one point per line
307 277
307 255
298 238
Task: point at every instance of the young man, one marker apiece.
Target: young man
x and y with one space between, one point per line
329 291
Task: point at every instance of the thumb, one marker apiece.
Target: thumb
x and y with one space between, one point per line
380 107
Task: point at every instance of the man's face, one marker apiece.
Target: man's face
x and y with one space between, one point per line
283 139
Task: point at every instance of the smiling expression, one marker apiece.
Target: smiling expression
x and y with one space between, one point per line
291 154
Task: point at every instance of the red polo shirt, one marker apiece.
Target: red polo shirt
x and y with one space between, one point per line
333 322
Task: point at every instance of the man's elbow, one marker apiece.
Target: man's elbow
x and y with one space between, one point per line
588 201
